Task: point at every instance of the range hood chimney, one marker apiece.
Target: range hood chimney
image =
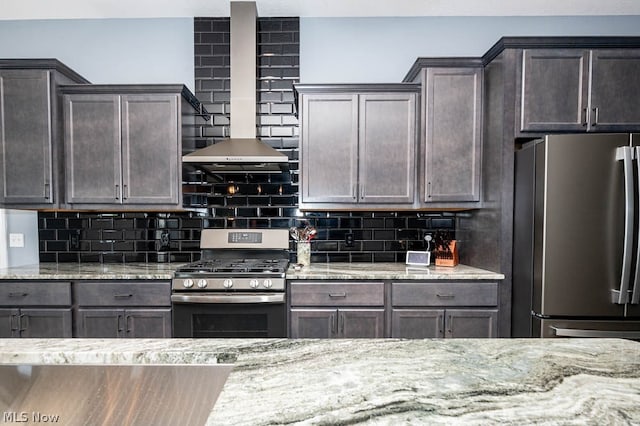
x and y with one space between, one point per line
243 151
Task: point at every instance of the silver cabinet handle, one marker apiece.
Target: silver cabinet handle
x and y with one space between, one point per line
125 189
120 327
596 116
338 295
441 325
117 192
362 192
128 323
625 153
354 191
449 326
122 296
446 296
341 321
15 323
24 322
584 117
46 191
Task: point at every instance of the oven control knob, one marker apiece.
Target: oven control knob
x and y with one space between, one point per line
267 283
202 283
188 283
254 283
227 283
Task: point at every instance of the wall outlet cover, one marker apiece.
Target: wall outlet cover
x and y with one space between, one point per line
16 240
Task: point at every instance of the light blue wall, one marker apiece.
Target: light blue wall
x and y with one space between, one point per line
373 50
108 50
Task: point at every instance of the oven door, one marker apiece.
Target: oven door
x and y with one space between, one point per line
229 315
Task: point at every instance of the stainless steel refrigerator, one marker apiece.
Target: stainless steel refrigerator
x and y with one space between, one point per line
576 259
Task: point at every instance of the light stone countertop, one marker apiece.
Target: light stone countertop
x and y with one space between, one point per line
91 271
315 271
388 381
388 271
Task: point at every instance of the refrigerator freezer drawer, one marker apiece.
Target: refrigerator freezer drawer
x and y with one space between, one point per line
586 328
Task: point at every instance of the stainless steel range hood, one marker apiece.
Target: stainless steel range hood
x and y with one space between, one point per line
242 152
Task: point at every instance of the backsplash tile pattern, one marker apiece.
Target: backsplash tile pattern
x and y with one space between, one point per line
142 237
237 200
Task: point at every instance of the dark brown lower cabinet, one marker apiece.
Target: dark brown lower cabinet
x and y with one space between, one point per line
112 323
349 309
35 322
343 322
127 308
444 309
35 309
428 323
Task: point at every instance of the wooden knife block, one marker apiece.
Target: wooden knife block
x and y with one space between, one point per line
450 258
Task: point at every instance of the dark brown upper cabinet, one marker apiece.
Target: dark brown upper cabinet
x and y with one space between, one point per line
357 145
30 131
123 146
450 131
579 90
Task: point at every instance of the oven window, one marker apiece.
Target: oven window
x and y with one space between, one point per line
229 320
231 325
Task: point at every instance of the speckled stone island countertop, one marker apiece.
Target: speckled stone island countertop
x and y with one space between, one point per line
315 271
388 381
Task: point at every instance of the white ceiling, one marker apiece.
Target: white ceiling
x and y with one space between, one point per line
87 9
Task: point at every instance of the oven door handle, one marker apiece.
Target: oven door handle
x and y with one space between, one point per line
228 298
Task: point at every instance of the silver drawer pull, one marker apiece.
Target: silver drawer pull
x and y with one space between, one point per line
122 296
335 295
18 294
445 296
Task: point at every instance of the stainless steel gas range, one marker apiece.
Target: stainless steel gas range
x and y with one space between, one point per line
237 289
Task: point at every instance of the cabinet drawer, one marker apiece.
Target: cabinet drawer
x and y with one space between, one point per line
337 294
41 293
444 294
130 293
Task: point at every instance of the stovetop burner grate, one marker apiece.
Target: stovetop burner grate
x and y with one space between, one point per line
232 266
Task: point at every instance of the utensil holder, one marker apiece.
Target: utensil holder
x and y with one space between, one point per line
448 258
304 253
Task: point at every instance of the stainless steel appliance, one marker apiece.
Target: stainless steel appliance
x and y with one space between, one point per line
237 289
576 268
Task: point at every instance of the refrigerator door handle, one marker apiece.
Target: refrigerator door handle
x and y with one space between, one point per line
577 332
625 153
635 296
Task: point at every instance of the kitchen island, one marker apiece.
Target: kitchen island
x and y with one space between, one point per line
387 381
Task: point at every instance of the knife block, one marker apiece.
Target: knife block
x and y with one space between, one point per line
450 257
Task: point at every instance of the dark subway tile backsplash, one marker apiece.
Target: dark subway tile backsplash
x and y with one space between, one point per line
238 200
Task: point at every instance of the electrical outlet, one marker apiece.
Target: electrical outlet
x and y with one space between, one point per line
16 240
74 241
348 240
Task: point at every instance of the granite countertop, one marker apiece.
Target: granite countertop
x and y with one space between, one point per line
388 271
315 271
91 271
388 381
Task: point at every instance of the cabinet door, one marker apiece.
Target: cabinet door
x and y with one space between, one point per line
25 137
150 149
329 148
615 90
471 323
104 323
148 323
44 323
452 152
417 323
554 90
9 322
387 134
92 149
367 323
313 323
